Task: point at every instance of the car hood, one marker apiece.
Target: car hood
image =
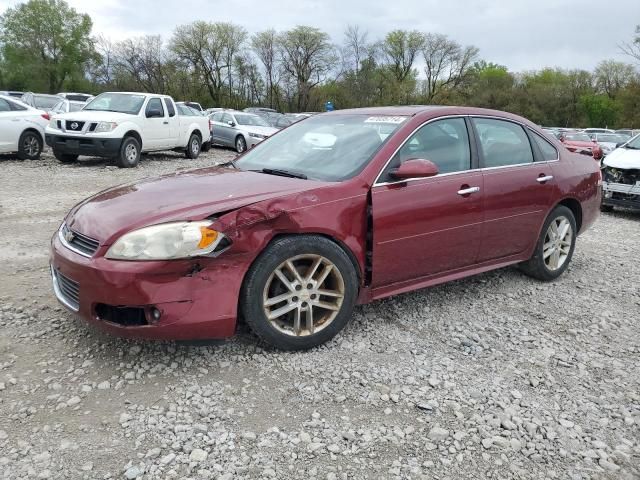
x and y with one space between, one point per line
191 195
623 158
258 129
94 116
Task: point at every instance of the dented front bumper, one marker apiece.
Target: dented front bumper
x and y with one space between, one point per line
177 300
621 194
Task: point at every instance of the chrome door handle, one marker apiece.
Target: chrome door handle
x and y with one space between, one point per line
544 179
165 123
468 191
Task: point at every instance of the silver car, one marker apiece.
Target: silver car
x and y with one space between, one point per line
239 130
66 106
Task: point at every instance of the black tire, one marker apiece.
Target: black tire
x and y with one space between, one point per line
129 155
536 266
64 157
606 208
29 145
206 146
251 297
241 144
194 146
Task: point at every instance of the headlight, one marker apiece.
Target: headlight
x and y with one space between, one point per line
104 127
258 135
53 123
167 241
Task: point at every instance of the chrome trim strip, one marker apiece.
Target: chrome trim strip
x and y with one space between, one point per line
68 245
58 292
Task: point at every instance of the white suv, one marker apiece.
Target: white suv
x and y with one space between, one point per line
122 125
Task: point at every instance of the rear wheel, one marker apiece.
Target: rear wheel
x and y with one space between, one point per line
129 155
555 246
299 293
64 157
193 147
29 146
241 144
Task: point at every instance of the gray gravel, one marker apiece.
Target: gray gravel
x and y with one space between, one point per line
496 376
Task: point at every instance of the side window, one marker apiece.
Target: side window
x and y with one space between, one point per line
170 109
16 106
503 143
4 106
154 104
226 118
548 151
444 142
217 117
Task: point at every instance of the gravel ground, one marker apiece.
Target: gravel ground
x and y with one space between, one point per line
497 376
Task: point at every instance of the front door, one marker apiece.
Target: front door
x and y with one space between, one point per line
517 189
11 126
158 129
426 227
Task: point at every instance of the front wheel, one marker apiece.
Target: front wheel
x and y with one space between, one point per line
29 146
64 157
241 144
193 147
299 293
129 155
555 246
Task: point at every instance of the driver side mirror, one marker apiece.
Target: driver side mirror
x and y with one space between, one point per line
231 123
415 168
154 113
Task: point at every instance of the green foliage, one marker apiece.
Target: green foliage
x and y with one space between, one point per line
45 43
600 110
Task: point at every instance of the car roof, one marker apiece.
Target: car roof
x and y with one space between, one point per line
16 100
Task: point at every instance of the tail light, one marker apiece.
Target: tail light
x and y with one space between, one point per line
210 125
46 116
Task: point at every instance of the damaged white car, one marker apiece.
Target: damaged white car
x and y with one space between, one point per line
621 177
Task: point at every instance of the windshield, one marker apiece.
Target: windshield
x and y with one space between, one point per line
45 102
254 120
326 147
634 143
116 102
578 137
75 107
610 138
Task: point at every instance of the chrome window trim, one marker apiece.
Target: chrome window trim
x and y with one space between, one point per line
56 289
376 184
68 245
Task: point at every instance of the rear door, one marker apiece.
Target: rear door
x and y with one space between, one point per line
228 132
426 227
11 126
216 127
517 189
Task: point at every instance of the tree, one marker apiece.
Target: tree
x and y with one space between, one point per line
144 61
491 85
611 76
633 49
307 57
46 42
265 47
400 49
600 110
447 64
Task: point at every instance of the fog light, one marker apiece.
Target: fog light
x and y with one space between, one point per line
155 314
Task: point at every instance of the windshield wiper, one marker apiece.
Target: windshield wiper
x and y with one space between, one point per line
631 147
283 173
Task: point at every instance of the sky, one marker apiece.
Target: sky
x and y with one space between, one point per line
521 34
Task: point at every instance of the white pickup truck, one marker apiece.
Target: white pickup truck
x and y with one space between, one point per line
122 125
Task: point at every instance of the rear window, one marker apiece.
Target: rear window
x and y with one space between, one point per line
548 151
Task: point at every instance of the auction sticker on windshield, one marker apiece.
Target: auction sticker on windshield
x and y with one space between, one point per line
396 120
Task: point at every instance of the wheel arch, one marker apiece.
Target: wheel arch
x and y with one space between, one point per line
34 130
135 134
575 207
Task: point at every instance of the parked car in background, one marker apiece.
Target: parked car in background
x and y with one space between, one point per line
593 131
293 237
76 97
608 142
195 106
240 130
580 142
628 131
11 93
66 106
209 111
21 128
621 176
272 117
122 125
41 101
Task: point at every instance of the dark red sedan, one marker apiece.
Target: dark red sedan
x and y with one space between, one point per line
580 142
341 209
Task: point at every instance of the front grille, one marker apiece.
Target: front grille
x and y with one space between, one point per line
67 290
77 241
74 126
125 316
92 126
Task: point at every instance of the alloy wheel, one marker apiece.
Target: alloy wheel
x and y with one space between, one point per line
131 152
195 146
557 243
303 295
31 145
